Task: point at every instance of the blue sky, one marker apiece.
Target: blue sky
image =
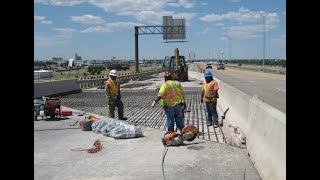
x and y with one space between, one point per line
102 29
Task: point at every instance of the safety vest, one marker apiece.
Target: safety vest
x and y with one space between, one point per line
114 88
209 94
171 93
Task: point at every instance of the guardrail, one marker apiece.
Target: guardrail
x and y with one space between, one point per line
86 82
274 70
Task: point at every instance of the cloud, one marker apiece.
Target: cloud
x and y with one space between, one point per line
249 31
110 27
219 24
61 2
157 17
204 3
63 36
181 3
65 32
150 11
39 18
205 31
242 15
50 40
146 16
284 13
234 1
249 22
87 19
97 29
46 22
129 5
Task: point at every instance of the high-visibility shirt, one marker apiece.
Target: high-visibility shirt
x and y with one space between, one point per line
171 93
210 91
114 88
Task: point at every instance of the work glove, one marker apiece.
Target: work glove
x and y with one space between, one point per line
118 97
153 104
201 100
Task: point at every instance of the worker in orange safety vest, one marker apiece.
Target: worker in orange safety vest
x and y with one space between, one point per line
172 99
210 95
113 95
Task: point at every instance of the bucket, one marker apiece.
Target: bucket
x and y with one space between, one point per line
86 125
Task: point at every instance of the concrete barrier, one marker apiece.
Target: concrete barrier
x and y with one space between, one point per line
263 126
266 139
56 88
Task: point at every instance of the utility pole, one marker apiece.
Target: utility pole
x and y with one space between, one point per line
229 47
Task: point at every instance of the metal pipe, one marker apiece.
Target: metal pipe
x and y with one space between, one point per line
136 47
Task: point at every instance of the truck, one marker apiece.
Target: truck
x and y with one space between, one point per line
177 65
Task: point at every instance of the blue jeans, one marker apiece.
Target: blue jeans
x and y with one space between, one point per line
174 113
212 112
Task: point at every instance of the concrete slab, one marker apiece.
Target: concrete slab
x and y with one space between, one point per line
137 158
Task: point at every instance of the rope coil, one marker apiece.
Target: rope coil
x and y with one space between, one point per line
97 146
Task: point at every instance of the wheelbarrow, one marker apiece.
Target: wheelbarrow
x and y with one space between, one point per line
47 107
50 106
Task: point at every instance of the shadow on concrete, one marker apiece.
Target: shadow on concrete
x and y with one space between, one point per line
56 119
55 129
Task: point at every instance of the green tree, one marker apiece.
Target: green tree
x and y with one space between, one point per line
98 71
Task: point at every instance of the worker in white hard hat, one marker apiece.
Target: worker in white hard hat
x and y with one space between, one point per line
113 95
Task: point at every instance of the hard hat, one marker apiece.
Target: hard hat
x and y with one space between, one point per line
208 74
113 72
167 73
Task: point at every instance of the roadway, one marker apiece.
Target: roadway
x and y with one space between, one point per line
270 88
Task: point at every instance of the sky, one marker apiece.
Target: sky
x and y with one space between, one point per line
103 29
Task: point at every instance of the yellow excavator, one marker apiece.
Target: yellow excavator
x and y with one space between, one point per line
178 65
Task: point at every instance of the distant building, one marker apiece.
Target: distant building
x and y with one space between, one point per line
42 74
71 63
77 58
55 59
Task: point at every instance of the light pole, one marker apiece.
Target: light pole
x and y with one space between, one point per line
222 56
264 24
229 47
264 38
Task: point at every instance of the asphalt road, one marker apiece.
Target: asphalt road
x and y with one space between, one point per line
270 88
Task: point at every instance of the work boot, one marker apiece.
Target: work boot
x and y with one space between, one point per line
123 118
215 125
209 124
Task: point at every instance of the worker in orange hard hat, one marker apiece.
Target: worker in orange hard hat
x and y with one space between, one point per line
171 97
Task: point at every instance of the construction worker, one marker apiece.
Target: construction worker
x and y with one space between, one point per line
210 95
171 97
113 95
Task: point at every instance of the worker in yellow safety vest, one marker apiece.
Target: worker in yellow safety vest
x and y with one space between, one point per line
113 95
210 95
171 97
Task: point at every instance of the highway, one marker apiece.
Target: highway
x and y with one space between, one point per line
270 88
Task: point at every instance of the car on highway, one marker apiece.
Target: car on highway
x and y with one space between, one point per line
209 66
220 66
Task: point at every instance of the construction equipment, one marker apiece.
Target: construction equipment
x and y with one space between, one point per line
47 106
177 64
